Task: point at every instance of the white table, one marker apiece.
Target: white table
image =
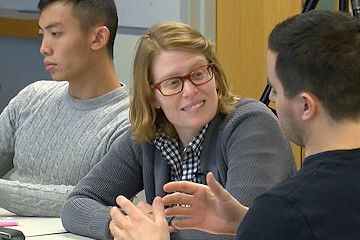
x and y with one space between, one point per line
41 228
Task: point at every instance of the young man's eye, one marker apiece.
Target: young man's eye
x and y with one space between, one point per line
56 34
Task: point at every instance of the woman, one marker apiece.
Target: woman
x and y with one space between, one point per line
185 122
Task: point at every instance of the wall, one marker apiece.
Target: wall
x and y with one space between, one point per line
139 13
326 4
20 64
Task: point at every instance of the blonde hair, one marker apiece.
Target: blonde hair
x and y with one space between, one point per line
145 120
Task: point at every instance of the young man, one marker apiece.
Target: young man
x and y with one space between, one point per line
313 69
53 132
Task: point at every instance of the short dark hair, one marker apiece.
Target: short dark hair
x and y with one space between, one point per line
319 52
90 13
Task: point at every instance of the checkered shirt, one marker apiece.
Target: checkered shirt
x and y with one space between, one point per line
185 165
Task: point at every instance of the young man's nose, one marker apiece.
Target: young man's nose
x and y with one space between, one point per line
45 48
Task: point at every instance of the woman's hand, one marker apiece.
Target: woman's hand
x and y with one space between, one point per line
130 223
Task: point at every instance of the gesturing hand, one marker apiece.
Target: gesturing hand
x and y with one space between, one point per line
209 208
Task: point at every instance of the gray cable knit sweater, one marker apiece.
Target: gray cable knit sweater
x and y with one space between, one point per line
245 150
51 141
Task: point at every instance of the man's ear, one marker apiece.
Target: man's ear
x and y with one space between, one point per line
309 105
101 38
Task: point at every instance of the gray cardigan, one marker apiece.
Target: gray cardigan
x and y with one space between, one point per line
245 150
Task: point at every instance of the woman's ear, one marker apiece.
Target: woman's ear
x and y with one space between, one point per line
156 104
101 37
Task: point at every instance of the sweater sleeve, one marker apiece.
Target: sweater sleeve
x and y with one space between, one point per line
25 196
8 124
86 211
256 153
6 141
15 195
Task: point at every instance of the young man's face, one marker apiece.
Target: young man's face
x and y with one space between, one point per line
66 49
287 108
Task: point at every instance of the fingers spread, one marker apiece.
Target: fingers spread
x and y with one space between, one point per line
177 198
178 211
182 186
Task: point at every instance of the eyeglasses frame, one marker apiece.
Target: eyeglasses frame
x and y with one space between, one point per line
186 77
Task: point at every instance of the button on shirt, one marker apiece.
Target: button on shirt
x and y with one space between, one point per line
184 165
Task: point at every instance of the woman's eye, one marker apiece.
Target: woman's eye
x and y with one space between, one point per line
171 83
198 74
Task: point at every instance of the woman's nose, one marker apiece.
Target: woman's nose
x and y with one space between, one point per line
189 88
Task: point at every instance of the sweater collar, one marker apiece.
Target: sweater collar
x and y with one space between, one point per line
114 95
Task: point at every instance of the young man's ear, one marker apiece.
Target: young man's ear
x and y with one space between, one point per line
101 37
309 106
